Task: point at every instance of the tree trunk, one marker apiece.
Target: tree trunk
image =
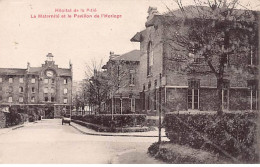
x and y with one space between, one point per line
219 95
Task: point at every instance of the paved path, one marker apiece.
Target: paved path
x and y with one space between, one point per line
50 142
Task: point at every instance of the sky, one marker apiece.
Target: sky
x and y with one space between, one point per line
24 38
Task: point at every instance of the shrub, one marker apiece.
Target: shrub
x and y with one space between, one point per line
120 120
231 134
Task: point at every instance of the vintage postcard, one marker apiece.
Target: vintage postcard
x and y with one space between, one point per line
129 81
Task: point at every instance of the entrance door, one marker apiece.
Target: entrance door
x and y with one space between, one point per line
49 112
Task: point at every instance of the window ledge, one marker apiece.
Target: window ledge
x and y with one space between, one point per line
131 85
149 76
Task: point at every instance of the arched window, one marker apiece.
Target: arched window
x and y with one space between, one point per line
149 58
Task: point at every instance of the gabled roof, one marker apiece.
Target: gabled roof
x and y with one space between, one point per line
12 71
64 72
133 55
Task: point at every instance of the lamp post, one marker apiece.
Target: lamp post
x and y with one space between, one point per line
160 108
121 106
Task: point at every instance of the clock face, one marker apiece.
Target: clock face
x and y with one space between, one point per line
49 73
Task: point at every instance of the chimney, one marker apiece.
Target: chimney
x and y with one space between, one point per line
112 55
28 67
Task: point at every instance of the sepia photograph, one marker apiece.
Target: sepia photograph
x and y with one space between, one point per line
129 82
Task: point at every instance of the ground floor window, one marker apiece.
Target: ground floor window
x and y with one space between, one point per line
193 98
253 93
193 94
133 104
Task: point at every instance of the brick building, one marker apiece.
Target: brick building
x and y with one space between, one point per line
196 90
122 72
46 89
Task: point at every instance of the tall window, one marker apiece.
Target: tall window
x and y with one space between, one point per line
10 99
52 99
33 80
65 100
21 80
1 79
20 99
133 104
65 91
252 59
46 99
10 80
33 89
132 77
149 58
52 90
253 93
20 89
33 99
45 90
65 81
193 94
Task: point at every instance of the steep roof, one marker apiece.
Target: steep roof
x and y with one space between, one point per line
12 71
133 55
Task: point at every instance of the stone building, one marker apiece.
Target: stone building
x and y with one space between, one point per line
122 71
196 90
46 89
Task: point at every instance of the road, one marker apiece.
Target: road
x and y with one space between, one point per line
48 141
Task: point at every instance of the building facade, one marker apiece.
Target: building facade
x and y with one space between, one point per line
46 89
122 71
196 90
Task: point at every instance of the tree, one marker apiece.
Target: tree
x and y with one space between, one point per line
96 86
210 34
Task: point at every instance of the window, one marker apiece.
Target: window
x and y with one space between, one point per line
155 100
193 94
1 98
20 99
155 83
65 91
0 88
46 99
198 59
52 99
65 100
10 99
1 79
53 81
252 59
33 80
52 90
10 89
45 90
46 80
20 89
132 77
65 81
10 80
253 93
149 58
21 80
33 89
133 104
33 99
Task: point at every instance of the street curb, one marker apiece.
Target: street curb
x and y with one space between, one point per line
102 134
20 126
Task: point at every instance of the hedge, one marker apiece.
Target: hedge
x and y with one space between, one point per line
232 135
14 118
119 120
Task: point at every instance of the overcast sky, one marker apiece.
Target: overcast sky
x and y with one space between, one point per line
24 39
